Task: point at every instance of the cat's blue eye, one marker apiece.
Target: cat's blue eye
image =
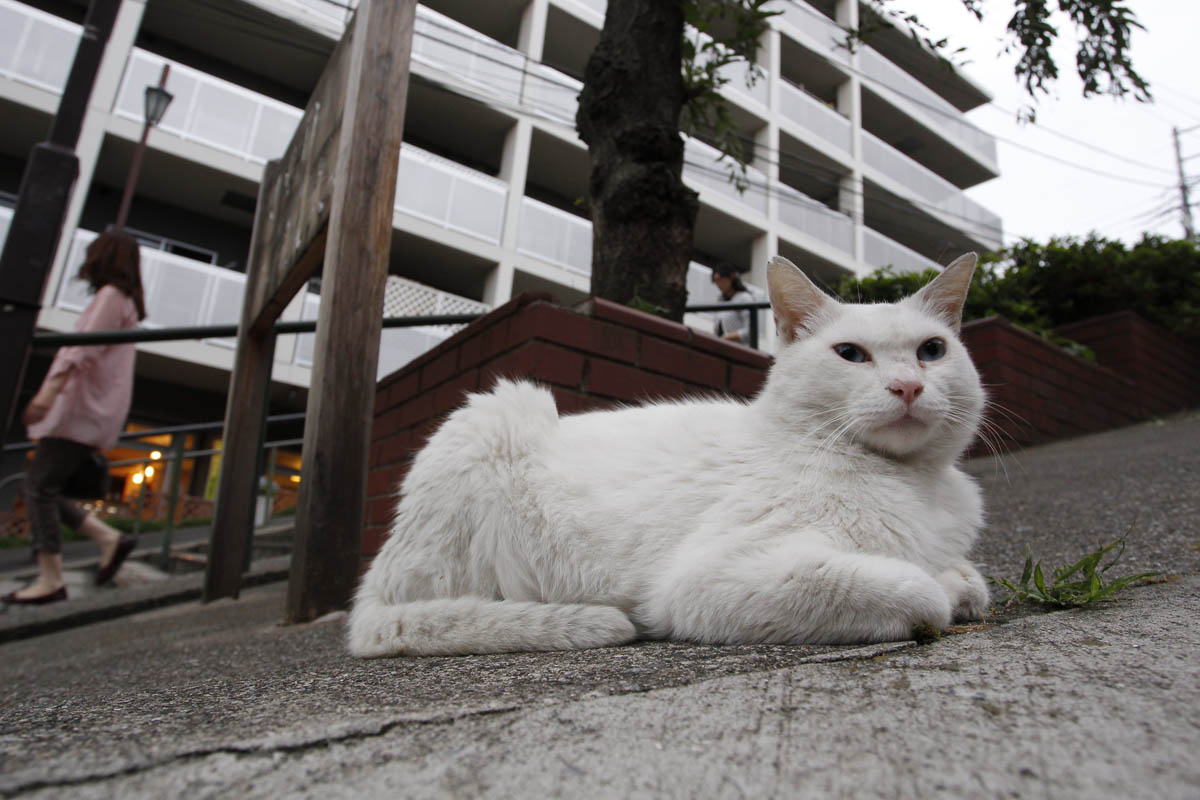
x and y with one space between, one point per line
931 350
851 352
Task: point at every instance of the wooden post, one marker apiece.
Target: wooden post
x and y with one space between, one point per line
330 197
330 506
237 482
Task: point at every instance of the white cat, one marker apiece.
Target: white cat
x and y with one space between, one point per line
828 510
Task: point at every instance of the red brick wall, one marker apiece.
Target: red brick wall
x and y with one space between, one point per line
598 355
1040 392
1164 369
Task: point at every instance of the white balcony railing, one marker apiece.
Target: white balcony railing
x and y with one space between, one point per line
818 31
179 292
801 107
703 170
933 190
556 236
549 93
222 115
932 109
36 48
449 194
469 57
738 74
209 110
880 251
815 219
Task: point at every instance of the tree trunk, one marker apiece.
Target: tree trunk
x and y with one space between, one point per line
643 216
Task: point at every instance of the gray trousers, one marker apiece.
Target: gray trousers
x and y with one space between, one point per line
54 461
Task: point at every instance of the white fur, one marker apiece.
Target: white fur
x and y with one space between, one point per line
808 515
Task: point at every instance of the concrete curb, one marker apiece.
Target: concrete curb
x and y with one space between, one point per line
25 622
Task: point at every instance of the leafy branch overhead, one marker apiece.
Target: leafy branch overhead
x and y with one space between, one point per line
1103 31
717 35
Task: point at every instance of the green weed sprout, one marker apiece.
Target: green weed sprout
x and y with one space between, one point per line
1080 584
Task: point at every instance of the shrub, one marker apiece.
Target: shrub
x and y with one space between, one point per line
1042 286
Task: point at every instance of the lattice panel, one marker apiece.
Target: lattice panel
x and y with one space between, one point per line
405 298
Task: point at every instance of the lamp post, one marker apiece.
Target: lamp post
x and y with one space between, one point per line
157 100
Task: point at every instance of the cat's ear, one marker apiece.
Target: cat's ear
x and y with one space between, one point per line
944 296
795 299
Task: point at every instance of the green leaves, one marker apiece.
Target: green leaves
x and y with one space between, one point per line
1041 286
1102 30
1080 584
719 33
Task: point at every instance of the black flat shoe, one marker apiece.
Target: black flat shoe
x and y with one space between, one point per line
58 594
124 548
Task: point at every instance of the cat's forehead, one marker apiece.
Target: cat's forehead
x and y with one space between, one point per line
883 322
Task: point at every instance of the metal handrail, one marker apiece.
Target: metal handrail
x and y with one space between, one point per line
757 305
54 339
48 339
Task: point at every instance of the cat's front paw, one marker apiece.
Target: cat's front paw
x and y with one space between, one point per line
967 590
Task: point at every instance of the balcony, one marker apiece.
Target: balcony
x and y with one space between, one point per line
36 48
880 251
933 191
705 172
818 32
208 110
922 103
555 236
814 116
221 115
816 219
450 195
181 292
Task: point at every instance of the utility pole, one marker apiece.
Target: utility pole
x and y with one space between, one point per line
42 201
1186 210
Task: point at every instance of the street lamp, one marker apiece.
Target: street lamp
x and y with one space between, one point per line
157 100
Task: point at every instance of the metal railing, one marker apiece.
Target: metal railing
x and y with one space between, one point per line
753 308
174 460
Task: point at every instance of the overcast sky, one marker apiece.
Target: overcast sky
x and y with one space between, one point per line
1040 196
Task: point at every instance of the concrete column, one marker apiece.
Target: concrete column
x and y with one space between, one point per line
849 100
761 250
767 137
91 135
514 162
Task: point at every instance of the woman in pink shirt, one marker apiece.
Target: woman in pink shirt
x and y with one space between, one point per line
81 407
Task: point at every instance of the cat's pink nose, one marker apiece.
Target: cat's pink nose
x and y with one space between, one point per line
908 391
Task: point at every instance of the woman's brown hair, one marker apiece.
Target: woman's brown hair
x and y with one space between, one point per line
113 259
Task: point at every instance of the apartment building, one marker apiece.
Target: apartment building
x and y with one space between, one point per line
860 160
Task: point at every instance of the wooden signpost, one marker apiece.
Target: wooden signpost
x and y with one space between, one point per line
328 201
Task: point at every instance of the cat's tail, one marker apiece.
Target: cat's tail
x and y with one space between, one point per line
467 625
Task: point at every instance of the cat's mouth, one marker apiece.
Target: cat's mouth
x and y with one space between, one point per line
905 423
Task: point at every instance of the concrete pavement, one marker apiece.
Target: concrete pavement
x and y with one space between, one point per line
222 701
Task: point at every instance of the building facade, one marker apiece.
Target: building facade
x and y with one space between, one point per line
860 158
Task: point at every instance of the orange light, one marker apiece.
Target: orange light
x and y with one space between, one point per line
295 479
138 478
149 472
155 455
